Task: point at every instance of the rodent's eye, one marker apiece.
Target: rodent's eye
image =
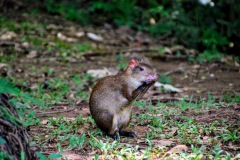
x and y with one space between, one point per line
141 69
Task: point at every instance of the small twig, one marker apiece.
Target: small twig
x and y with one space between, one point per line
198 71
139 50
7 43
96 54
6 123
54 112
19 141
170 57
196 81
232 148
179 69
164 36
141 146
168 99
4 101
61 104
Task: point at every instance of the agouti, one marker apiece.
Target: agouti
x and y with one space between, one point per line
112 97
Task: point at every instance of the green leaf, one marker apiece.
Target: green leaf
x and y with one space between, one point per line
55 155
7 87
237 156
33 100
2 140
22 155
96 156
41 156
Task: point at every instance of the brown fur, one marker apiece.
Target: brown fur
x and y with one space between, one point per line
112 98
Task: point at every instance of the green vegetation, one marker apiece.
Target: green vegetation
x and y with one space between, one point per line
4 155
193 24
165 79
229 98
7 87
165 120
186 129
11 25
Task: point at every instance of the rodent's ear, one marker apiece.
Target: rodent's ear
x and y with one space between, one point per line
133 63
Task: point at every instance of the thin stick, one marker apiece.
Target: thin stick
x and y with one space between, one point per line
54 112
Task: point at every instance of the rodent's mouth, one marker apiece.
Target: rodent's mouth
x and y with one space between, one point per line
151 78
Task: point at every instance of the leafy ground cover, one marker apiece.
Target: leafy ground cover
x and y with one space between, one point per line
48 58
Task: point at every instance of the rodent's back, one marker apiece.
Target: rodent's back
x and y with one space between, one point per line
106 95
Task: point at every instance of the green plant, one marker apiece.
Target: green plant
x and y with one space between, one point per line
104 147
141 104
75 141
165 79
86 46
121 62
68 9
26 26
231 136
191 23
217 150
51 156
232 98
7 87
212 39
210 56
7 24
58 89
4 155
54 155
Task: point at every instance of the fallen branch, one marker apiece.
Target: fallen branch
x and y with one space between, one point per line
55 112
7 43
177 70
171 99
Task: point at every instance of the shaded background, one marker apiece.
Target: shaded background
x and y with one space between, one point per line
212 27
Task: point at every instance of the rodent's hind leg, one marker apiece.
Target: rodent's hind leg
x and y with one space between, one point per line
106 122
113 133
127 134
109 124
114 136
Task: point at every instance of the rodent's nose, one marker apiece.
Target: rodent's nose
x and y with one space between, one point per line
151 77
155 76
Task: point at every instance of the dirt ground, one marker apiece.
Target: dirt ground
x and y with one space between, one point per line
225 81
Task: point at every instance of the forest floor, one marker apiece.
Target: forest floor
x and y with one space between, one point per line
51 59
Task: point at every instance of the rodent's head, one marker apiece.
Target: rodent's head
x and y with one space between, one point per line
140 73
